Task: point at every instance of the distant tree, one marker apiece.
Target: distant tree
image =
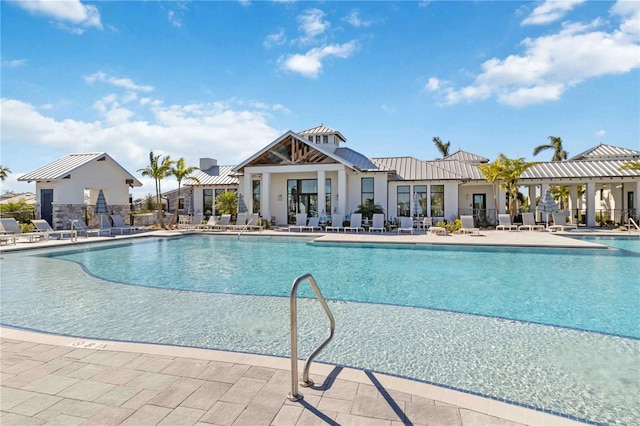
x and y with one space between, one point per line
158 169
442 147
369 208
631 165
493 173
555 143
180 171
227 202
4 172
507 171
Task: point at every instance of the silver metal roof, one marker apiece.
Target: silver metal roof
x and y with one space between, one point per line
411 168
466 157
356 160
578 169
607 152
63 167
216 175
322 130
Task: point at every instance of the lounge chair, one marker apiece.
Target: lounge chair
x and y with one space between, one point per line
377 223
44 227
529 223
355 223
81 228
6 237
426 223
505 224
468 227
406 225
560 223
185 222
301 222
241 222
11 226
221 225
437 230
336 223
252 224
119 225
314 223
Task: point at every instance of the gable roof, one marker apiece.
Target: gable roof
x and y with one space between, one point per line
215 175
465 156
63 167
578 170
606 152
322 130
306 152
411 168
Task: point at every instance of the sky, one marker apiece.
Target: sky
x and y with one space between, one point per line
222 80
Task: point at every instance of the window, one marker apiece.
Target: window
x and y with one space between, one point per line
180 203
302 197
325 139
256 196
404 200
420 191
327 198
367 191
317 138
437 200
207 201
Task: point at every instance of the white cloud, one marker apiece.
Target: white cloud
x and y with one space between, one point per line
217 130
275 39
354 19
14 63
312 24
551 11
72 12
174 20
552 64
124 83
599 134
310 63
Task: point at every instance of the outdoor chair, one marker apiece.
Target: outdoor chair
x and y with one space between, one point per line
529 223
81 228
119 225
44 227
377 223
221 225
355 223
504 221
314 223
301 222
241 222
6 237
11 226
560 223
468 227
406 225
336 223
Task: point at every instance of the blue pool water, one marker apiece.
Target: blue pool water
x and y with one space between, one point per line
552 329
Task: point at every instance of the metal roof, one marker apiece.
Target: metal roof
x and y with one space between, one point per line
578 169
607 152
466 157
356 160
216 175
411 168
322 130
63 167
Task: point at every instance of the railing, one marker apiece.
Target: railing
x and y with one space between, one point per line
305 380
632 222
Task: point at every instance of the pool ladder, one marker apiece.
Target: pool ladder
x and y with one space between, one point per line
305 381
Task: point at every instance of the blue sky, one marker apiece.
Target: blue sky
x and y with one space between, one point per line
224 79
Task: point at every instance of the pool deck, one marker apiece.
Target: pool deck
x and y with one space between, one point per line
52 379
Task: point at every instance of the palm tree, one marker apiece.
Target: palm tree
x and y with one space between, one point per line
4 172
157 170
631 165
555 143
493 173
227 202
511 172
442 147
180 171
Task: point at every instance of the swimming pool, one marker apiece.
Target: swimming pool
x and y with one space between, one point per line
475 319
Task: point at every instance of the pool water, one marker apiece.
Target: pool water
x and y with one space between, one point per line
534 327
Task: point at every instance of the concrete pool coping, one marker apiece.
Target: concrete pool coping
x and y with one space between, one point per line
66 380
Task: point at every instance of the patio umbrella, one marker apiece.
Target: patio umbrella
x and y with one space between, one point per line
242 207
547 205
417 210
101 207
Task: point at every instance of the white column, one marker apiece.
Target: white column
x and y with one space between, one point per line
636 199
502 200
591 204
265 190
322 194
532 198
342 192
247 193
573 202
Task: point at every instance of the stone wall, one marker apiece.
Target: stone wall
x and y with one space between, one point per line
64 213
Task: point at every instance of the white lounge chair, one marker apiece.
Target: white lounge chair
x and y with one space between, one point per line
6 237
426 223
81 228
314 223
223 224
406 225
504 223
560 223
529 223
119 225
44 227
301 222
377 223
252 223
355 223
11 226
468 227
336 223
241 222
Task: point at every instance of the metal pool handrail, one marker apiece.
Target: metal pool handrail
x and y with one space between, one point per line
305 380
